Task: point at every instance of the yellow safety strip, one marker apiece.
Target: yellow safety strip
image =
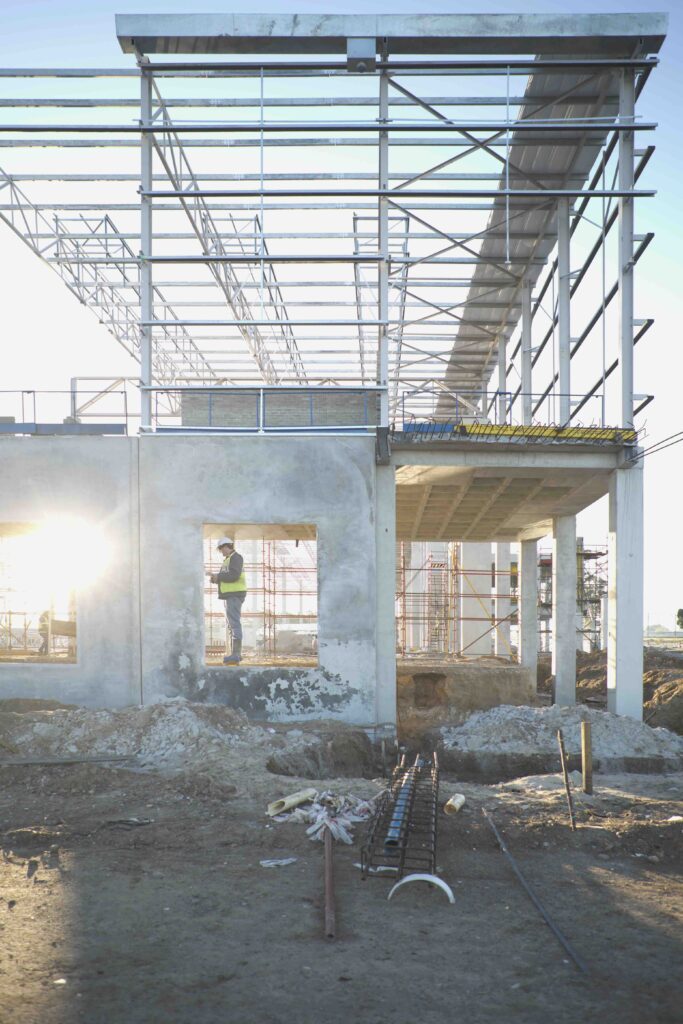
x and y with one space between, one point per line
623 436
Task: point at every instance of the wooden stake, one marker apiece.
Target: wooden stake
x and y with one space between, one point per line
563 761
586 757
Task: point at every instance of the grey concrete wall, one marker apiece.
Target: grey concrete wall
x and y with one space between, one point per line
93 479
179 484
327 481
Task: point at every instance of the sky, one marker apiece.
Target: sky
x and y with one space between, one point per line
47 337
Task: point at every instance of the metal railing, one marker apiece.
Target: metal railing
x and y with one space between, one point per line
58 412
438 409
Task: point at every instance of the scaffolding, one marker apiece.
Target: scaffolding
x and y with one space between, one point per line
430 585
591 597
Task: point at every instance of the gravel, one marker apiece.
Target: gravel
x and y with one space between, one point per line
526 730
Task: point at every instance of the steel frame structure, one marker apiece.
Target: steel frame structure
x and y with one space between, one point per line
440 236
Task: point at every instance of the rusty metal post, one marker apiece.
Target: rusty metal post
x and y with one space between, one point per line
586 757
330 915
563 760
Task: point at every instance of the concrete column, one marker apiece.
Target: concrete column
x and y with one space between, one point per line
385 546
528 604
563 309
625 593
582 641
625 275
146 294
475 599
501 636
453 633
604 621
527 355
415 584
564 609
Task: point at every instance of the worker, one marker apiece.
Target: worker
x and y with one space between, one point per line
44 632
232 588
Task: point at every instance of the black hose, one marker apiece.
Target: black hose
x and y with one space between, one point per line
534 898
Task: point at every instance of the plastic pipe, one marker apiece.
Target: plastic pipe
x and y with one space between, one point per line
303 796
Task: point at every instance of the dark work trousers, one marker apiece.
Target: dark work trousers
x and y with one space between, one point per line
233 613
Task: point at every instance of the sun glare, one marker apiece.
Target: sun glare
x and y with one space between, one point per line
57 559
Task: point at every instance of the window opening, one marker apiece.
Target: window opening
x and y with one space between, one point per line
279 615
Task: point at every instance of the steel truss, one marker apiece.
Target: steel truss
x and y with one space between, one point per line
434 241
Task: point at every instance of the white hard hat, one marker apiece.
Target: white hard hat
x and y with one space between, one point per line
224 540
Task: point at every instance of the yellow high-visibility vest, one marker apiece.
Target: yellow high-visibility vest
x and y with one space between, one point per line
237 586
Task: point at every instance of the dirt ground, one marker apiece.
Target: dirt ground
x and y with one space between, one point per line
174 920
662 684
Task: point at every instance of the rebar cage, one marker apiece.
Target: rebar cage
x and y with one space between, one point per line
401 838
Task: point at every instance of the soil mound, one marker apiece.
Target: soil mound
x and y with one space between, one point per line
533 731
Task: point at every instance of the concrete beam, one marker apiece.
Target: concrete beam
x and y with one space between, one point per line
598 34
528 605
625 593
564 609
503 459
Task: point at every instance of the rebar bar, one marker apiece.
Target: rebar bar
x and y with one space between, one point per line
330 913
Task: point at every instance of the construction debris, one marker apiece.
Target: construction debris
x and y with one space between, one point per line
330 812
287 803
532 731
454 804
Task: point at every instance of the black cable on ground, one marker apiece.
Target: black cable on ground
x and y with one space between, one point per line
582 966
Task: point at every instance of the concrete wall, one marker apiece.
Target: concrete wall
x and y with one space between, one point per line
329 482
431 692
179 484
93 479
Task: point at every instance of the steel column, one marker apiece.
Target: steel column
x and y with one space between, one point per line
564 309
526 354
146 285
383 264
502 378
626 112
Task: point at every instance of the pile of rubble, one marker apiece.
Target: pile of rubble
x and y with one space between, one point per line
532 732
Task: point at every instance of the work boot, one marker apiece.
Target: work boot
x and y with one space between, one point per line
236 656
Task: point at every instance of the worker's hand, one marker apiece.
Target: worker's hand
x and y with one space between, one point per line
213 577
